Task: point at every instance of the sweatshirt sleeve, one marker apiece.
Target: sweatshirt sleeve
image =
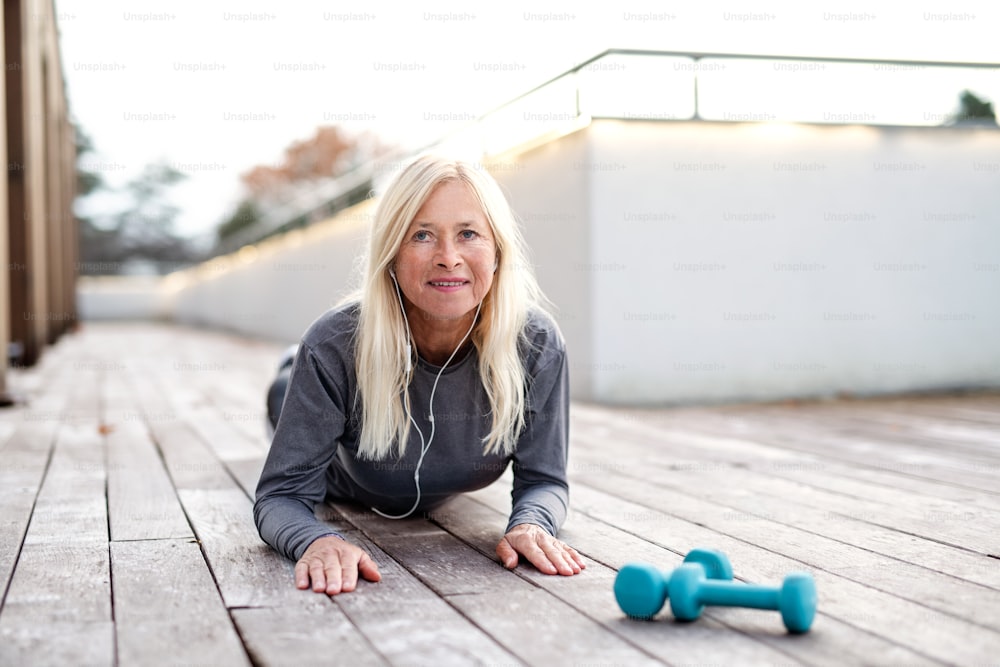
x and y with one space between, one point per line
305 441
540 492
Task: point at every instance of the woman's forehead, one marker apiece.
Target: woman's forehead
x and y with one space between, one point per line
451 203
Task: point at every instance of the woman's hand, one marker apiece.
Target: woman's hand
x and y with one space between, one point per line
542 550
332 565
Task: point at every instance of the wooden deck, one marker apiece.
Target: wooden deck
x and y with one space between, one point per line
126 534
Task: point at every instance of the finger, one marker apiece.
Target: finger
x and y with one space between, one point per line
317 575
507 555
537 556
577 558
560 561
369 568
349 575
301 575
333 573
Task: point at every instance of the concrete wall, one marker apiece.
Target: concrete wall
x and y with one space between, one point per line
277 288
552 206
760 261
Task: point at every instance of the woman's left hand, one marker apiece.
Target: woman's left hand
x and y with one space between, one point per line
542 550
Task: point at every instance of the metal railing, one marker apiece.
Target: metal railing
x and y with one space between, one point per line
634 84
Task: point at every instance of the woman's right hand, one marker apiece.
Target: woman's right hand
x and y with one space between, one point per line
332 565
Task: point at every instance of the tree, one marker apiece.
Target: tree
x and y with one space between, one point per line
140 230
305 165
86 181
973 111
326 154
246 215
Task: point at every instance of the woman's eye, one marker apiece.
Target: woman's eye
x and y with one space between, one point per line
421 236
468 234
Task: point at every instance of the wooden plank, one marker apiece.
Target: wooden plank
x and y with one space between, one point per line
928 631
959 524
301 637
57 643
896 431
58 607
71 508
22 469
189 461
518 614
721 630
592 591
779 432
877 524
246 472
834 516
866 452
852 480
184 397
142 502
695 451
249 573
409 624
167 609
278 623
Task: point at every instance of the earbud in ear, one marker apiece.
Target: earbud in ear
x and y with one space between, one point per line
392 272
496 265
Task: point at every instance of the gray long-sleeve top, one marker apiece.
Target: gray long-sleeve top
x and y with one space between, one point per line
314 452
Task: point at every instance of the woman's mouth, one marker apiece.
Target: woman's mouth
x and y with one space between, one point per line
448 285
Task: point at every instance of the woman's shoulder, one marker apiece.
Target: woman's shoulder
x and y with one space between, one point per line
543 341
333 330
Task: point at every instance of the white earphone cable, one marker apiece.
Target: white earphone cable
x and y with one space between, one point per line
424 446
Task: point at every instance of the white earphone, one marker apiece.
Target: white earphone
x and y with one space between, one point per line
424 446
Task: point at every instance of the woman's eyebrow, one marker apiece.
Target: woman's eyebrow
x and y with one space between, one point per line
462 223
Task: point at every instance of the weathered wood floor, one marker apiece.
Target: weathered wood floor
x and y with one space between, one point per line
126 534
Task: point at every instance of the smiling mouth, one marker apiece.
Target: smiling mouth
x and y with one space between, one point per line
448 283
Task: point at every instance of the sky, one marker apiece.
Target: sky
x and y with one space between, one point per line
214 88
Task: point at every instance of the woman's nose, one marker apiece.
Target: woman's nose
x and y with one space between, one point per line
447 256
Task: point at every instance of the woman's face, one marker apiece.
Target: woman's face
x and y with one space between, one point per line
446 263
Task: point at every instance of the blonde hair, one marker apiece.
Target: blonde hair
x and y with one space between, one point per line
380 346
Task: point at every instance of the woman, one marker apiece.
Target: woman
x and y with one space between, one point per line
440 373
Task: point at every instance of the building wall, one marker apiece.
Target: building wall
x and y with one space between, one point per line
759 261
552 204
37 295
277 288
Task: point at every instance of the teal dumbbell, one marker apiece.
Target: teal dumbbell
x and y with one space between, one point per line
641 589
690 591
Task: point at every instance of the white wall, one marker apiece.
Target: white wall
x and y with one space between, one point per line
555 214
276 289
756 261
120 298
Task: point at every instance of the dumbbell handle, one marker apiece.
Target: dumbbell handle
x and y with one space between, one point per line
733 594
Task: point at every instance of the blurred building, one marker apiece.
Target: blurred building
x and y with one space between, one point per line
38 243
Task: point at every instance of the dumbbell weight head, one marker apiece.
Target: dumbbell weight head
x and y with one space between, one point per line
641 589
689 591
797 602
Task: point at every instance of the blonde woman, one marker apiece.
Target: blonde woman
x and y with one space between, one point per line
443 370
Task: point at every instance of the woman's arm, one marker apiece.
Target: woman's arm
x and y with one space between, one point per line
541 492
294 476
